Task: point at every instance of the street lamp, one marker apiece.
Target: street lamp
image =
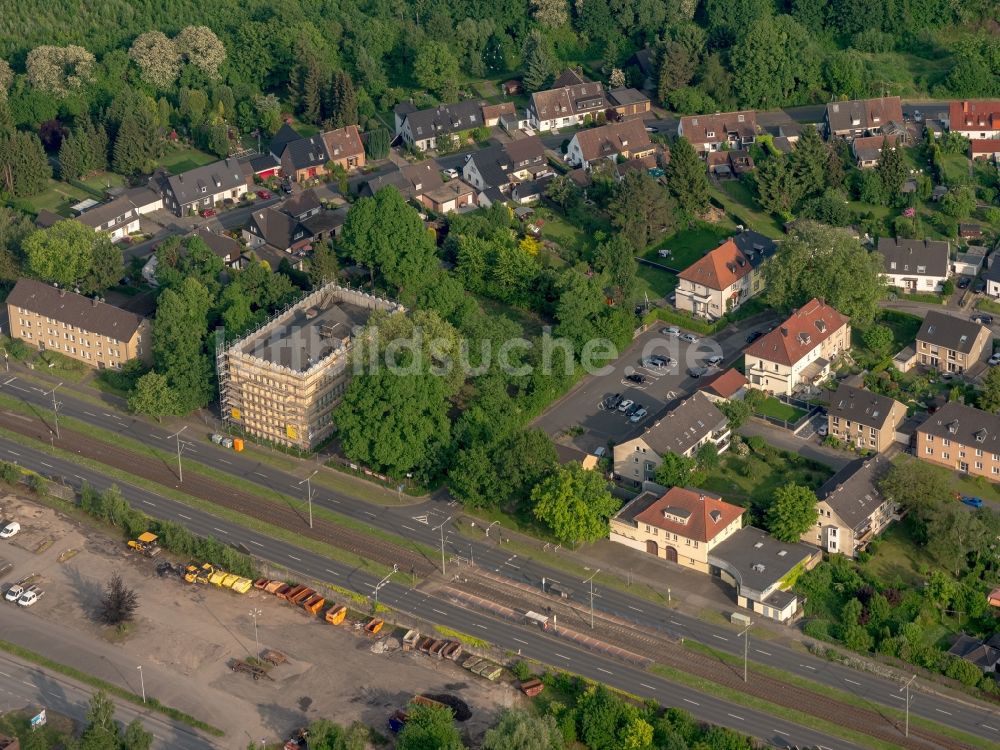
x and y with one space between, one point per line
142 683
309 494
906 687
746 645
254 614
591 582
177 436
55 405
441 529
383 582
495 523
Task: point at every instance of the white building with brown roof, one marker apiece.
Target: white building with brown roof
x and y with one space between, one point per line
708 133
976 120
725 277
864 420
680 526
569 103
627 139
800 351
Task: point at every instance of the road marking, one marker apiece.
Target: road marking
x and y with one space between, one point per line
11 380
439 612
186 518
806 666
13 453
520 641
295 558
648 687
408 528
257 543
852 682
693 703
368 513
420 519
599 669
635 608
673 622
561 656
516 567
25 682
737 717
778 731
79 477
987 726
19 388
334 572
6 675
45 464
762 652
149 503
221 531
258 474
224 461
332 500
942 711
90 414
897 697
714 635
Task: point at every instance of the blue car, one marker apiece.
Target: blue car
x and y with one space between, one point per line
973 502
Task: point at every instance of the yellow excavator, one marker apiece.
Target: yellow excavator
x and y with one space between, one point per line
145 544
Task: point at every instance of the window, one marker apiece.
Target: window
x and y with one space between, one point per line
945 442
945 456
979 465
979 451
687 542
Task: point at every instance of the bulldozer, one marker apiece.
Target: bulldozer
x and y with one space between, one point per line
145 544
193 573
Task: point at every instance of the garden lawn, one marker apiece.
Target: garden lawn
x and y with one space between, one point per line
772 407
688 245
896 555
955 169
654 282
904 329
57 197
743 208
103 180
182 158
751 481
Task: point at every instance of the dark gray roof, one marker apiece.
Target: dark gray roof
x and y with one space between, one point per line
853 492
223 246
992 273
323 222
276 227
759 559
493 165
685 426
863 114
917 257
121 211
644 59
285 135
47 218
625 96
941 329
756 246
525 153
143 195
301 203
860 406
410 180
264 162
306 152
445 119
965 425
975 651
74 309
214 178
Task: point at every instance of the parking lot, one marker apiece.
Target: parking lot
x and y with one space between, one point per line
584 408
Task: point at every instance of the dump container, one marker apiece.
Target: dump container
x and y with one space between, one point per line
229 580
301 596
425 644
217 577
272 586
217 439
313 604
374 625
437 648
531 688
453 652
336 614
410 640
291 592
227 442
238 445
261 583
471 662
242 585
494 674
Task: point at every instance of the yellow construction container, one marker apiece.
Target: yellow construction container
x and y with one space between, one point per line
217 577
242 585
229 580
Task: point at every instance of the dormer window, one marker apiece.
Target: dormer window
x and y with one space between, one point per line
981 435
953 427
921 269
892 265
711 134
740 118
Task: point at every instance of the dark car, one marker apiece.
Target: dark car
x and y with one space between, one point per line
980 286
612 401
635 378
973 502
754 336
633 409
982 319
963 283
697 372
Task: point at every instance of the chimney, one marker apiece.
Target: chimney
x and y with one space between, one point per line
965 106
784 331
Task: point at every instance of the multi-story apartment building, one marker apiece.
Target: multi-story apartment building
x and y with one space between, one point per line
88 330
859 117
725 277
915 265
975 120
719 132
800 351
951 344
864 420
960 437
280 382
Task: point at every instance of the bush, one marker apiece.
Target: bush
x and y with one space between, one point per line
818 629
965 672
38 484
521 670
9 473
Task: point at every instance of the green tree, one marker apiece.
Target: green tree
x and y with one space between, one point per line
809 161
62 253
687 180
964 671
158 58
436 69
574 503
429 728
959 202
101 731
707 457
917 487
879 339
377 143
640 209
24 167
675 470
891 171
616 258
137 143
773 60
737 411
201 48
179 330
778 189
323 266
792 512
342 101
988 397
518 729
136 737
15 227
152 396
107 264
538 62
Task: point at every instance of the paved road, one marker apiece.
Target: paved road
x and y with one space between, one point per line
27 686
420 523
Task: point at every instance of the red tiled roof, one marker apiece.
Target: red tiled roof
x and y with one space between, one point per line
984 145
805 329
964 115
719 268
343 142
725 384
491 111
697 127
707 514
614 138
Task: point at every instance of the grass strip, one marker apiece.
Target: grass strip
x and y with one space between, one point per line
830 692
96 682
468 640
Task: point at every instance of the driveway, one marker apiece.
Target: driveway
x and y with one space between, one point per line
806 443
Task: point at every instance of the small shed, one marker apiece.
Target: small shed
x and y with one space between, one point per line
511 87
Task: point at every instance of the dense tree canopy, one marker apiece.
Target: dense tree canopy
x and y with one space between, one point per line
574 503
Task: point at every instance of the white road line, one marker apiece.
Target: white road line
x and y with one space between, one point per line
186 518
897 697
987 726
13 453
516 567
439 612
648 687
25 682
257 543
479 626
258 474
6 675
221 531
45 464
806 666
693 703
295 558
762 652
520 641
19 388
852 682
714 635
561 656
224 461
635 608
79 477
334 501
673 622
149 503
408 528
90 414
737 717
11 380
368 513
778 731
942 711
334 572
599 669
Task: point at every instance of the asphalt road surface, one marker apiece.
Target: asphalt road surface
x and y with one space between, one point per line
27 686
420 523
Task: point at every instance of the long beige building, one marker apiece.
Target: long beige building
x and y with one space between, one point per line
281 382
87 330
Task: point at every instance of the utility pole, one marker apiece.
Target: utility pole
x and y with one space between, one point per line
55 405
142 683
309 494
176 436
254 614
441 529
383 582
906 687
746 648
591 582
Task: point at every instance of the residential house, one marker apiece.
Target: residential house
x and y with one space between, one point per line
627 103
412 180
800 351
862 419
289 227
497 169
454 195
970 262
915 265
992 279
146 198
859 117
118 217
728 385
719 132
983 654
960 437
263 167
725 277
571 101
493 112
87 330
976 120
344 147
421 128
984 149
682 525
303 158
627 139
951 344
203 187
227 249
695 422
760 567
868 149
851 509
969 230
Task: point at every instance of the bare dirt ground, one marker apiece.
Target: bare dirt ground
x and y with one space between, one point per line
185 637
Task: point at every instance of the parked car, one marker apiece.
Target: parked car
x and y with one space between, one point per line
624 405
963 283
697 372
286 185
689 337
973 502
208 213
10 530
635 378
656 362
29 597
451 174
613 401
980 287
264 194
600 451
982 319
639 415
754 335
822 431
995 359
714 361
670 331
632 409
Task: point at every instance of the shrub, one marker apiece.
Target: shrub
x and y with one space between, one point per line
521 670
9 473
818 629
38 484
